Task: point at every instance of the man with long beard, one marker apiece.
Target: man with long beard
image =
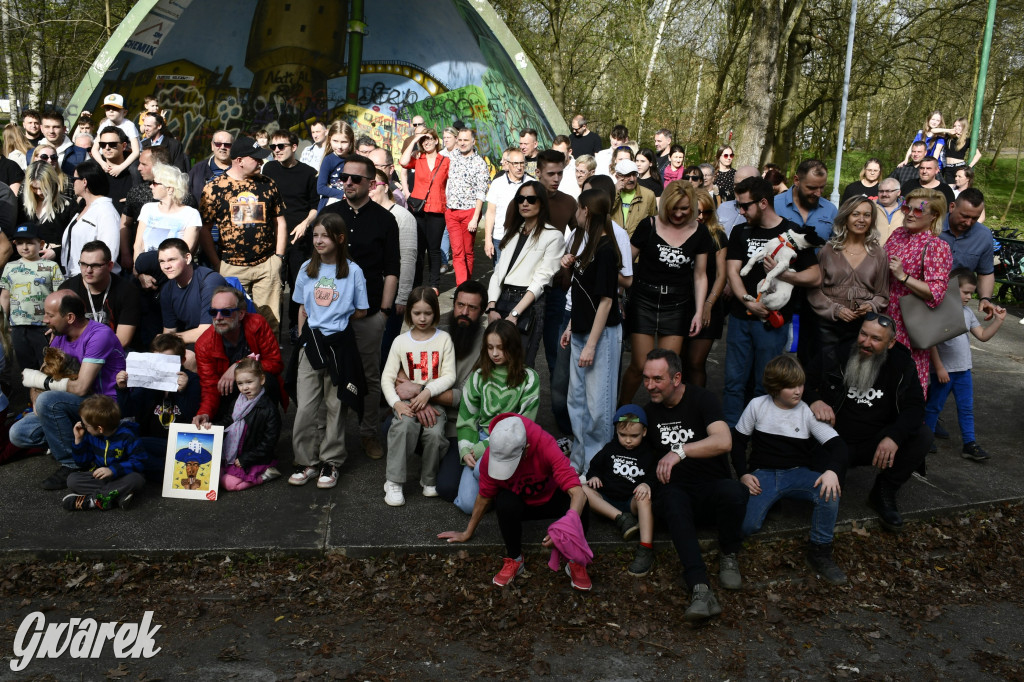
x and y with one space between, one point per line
871 395
463 324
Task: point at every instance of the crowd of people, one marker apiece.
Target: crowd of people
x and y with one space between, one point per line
123 244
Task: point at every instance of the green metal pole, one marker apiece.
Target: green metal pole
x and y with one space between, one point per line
356 30
979 97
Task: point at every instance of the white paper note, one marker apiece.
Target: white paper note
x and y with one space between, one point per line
153 370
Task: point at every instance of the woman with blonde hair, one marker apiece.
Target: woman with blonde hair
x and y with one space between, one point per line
919 264
167 217
854 273
958 146
933 135
698 348
341 141
16 144
44 202
670 285
586 166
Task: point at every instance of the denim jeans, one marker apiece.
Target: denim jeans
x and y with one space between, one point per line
748 345
796 484
446 246
50 425
553 311
560 384
592 394
497 250
962 386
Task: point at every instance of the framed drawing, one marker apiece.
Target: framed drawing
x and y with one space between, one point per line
192 466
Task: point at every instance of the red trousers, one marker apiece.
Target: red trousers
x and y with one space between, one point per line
462 242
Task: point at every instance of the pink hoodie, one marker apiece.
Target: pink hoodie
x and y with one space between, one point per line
569 541
542 469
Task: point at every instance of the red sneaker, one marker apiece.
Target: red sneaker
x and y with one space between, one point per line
509 570
578 576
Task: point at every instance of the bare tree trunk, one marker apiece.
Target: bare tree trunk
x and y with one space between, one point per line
5 45
696 101
1016 171
761 80
650 67
35 61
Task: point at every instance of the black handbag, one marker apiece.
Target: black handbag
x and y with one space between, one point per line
417 205
510 296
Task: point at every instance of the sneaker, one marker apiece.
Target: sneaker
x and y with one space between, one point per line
565 445
270 474
293 336
819 559
444 268
973 451
126 501
372 448
729 572
510 570
642 562
627 524
328 476
106 501
393 495
703 605
578 576
58 480
303 475
430 491
74 502
940 431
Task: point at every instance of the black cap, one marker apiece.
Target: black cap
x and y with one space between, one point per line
26 231
246 146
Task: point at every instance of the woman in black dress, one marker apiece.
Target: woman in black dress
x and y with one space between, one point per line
725 174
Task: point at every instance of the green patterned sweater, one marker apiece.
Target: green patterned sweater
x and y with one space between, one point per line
484 399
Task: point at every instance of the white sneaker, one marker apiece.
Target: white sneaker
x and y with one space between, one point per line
393 494
270 474
303 475
430 491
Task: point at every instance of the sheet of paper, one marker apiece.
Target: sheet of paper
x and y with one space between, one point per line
153 370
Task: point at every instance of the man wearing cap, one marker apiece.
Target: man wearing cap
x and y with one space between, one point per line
114 145
113 108
526 476
55 133
633 203
245 207
687 431
213 166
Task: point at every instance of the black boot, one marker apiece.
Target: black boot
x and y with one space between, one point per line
819 559
882 499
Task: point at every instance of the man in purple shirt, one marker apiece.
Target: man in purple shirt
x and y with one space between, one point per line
92 345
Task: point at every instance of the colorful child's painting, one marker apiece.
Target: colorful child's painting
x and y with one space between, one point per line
192 467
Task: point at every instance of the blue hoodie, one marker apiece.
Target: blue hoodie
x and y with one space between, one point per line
122 452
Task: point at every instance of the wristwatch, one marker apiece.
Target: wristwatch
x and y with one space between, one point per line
682 454
515 313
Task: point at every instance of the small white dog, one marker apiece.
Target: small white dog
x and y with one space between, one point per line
771 291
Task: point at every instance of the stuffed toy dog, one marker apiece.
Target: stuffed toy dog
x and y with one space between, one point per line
771 291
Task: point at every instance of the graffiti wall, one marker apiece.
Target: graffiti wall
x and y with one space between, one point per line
246 65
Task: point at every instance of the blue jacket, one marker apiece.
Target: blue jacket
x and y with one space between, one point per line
122 452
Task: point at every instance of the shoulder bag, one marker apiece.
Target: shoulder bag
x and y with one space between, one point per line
417 205
928 326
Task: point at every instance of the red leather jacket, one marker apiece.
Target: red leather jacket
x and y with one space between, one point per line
213 362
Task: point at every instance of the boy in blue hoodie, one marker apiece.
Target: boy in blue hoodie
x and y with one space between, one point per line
109 456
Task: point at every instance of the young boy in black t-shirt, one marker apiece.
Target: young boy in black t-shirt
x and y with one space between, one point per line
625 469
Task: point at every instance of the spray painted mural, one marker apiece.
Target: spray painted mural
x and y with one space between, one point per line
246 65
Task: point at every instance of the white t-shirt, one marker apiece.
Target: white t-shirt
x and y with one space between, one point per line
161 226
625 253
500 193
127 126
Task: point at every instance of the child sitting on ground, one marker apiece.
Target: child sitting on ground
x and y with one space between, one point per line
785 462
250 439
109 456
951 369
625 470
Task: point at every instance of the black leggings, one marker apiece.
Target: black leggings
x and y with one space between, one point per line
512 510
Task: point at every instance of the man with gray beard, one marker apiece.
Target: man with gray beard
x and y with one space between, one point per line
870 393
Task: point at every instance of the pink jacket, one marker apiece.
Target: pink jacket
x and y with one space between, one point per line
569 541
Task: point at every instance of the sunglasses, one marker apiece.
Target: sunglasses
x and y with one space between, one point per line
918 212
46 157
880 319
576 130
279 146
727 156
221 145
222 312
706 211
355 179
109 145
378 184
744 205
693 178
530 199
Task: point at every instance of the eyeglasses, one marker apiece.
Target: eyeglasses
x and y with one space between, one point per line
46 157
91 266
693 178
354 179
530 199
881 319
727 156
222 145
109 145
744 205
517 163
278 147
887 191
917 212
222 312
